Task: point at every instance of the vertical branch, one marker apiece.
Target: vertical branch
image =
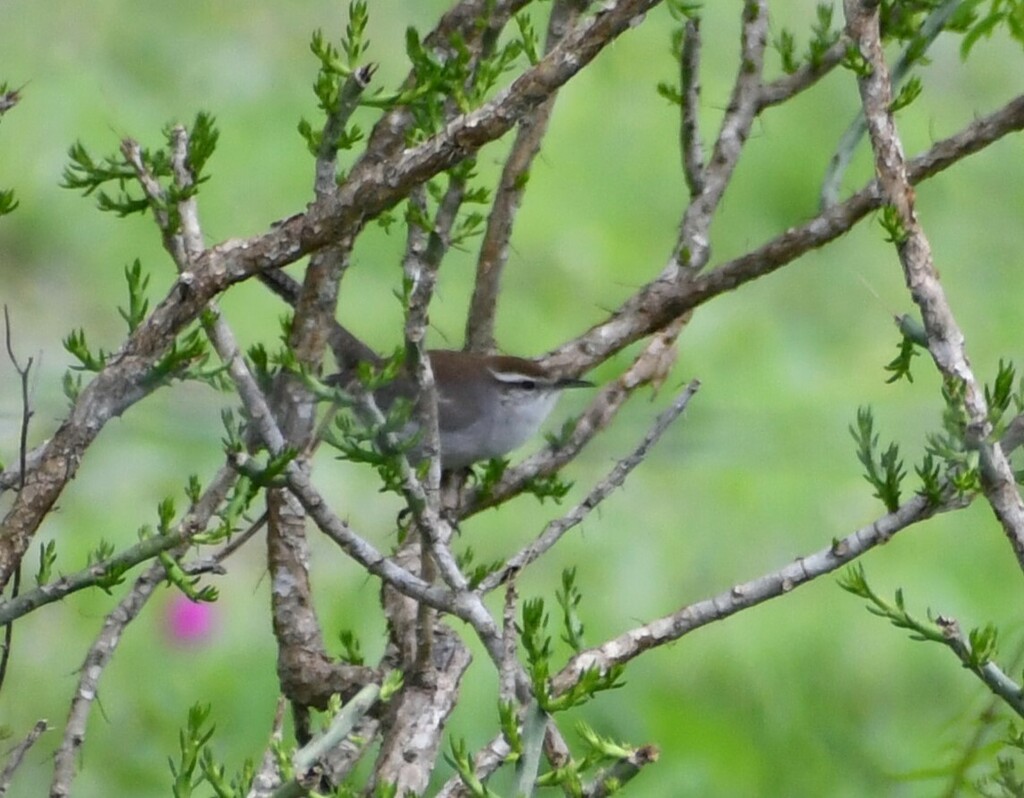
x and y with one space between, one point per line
693 246
913 53
514 176
689 129
305 670
26 416
26 410
945 339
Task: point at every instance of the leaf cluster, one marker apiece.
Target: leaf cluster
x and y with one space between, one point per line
196 764
824 34
113 178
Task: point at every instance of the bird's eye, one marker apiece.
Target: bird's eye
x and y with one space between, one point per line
527 385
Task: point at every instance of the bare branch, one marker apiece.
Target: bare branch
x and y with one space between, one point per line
17 754
782 89
26 416
514 176
689 128
772 585
96 661
693 247
990 674
945 339
662 300
913 52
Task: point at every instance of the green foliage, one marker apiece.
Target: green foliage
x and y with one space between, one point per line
549 486
855 62
196 764
76 345
232 513
854 581
597 750
892 223
508 720
931 480
113 573
490 473
899 366
193 488
569 598
269 474
682 10
351 649
234 432
960 463
8 99
71 385
339 83
823 35
138 305
184 360
89 174
976 653
785 45
591 682
461 762
528 38
979 19
381 446
8 202
883 471
177 576
537 646
914 337
1001 396
202 143
476 573
47 559
908 92
1004 782
165 515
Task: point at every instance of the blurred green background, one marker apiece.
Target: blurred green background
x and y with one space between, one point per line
806 695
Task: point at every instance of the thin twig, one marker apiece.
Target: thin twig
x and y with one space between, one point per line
17 754
26 410
96 661
989 673
782 89
26 416
650 368
693 247
553 532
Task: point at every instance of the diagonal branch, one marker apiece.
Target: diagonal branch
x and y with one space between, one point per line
661 300
553 532
671 627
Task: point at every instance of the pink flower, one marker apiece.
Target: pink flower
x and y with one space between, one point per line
188 621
